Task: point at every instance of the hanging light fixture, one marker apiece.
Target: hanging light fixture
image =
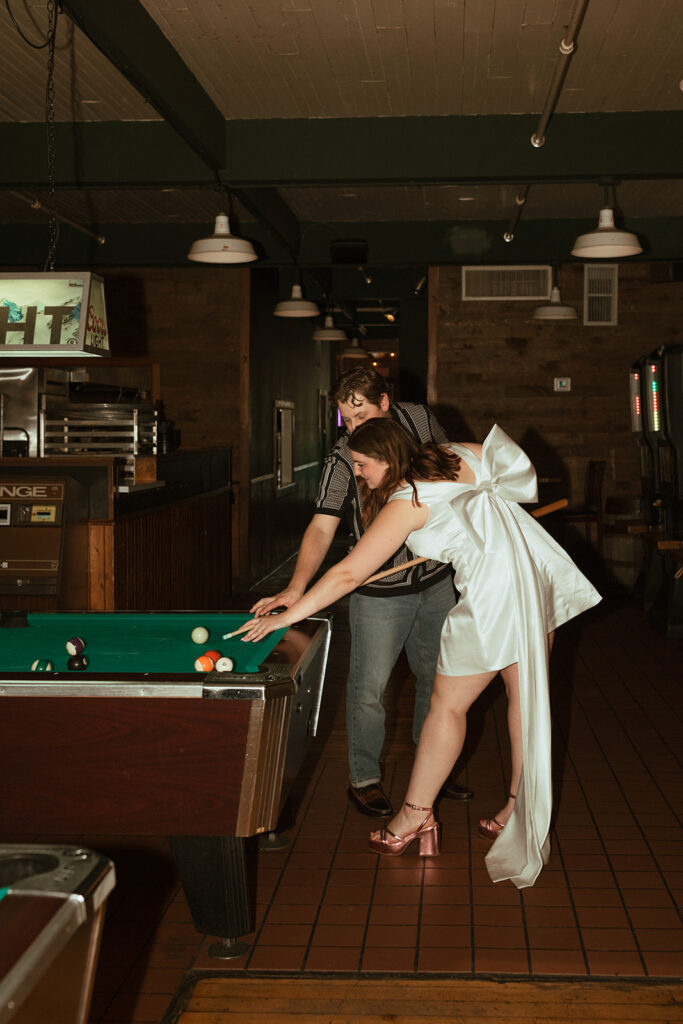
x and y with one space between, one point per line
354 350
222 246
296 305
607 242
329 332
555 309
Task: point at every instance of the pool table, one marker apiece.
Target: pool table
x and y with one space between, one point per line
142 744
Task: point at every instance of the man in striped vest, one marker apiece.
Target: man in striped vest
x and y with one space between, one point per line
405 609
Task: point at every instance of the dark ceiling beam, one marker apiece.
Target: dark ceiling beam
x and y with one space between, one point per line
128 37
353 151
390 245
486 149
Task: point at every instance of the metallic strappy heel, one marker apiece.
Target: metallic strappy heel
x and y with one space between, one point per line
387 842
490 828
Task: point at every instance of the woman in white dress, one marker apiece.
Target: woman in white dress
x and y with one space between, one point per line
458 503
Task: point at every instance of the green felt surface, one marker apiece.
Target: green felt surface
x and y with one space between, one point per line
125 642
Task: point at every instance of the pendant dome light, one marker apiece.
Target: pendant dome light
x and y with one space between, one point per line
296 305
607 242
354 350
329 332
555 309
222 246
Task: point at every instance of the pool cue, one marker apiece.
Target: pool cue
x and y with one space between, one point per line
537 514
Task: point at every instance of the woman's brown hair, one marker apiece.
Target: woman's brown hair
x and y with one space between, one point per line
383 438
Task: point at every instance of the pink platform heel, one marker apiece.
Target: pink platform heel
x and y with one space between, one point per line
428 835
490 828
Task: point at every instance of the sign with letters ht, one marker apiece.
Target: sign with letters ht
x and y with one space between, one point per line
53 314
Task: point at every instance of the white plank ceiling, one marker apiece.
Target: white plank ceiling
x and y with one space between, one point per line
262 59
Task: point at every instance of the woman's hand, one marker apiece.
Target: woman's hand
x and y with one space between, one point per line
262 626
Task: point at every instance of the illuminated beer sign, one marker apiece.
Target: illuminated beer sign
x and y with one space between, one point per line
53 314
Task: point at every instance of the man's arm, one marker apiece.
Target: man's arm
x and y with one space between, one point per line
315 544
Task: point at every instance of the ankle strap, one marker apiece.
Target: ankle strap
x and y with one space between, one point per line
414 807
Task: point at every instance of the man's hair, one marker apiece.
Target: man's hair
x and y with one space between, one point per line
363 381
407 459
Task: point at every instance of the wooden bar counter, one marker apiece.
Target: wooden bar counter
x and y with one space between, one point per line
161 542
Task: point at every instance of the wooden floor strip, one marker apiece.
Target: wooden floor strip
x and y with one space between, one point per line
408 1001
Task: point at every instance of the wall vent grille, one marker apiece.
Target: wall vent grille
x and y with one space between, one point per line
496 284
600 289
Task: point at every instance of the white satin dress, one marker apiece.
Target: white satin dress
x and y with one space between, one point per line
516 585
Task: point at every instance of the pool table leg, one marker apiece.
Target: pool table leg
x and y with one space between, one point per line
213 874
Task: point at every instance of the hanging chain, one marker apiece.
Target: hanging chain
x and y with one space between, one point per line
53 230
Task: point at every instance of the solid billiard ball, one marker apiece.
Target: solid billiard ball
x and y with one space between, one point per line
77 663
204 663
224 665
75 645
214 655
200 634
41 665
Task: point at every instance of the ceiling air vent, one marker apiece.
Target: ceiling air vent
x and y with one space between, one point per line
600 284
494 284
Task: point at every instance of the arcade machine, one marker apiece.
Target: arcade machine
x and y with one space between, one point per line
32 525
655 396
646 424
669 609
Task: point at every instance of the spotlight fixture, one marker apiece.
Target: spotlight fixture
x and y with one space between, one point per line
329 332
222 246
390 315
296 305
419 286
365 275
555 310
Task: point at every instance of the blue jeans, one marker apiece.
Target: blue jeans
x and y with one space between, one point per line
380 628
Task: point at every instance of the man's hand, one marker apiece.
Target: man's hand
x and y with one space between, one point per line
285 599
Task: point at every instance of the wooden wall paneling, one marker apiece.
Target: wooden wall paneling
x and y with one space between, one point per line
433 293
285 363
101 570
176 556
241 473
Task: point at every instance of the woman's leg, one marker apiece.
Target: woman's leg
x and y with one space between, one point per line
441 741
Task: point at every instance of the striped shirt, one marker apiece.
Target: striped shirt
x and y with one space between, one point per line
338 496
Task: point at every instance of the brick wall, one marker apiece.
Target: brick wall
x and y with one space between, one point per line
187 319
489 362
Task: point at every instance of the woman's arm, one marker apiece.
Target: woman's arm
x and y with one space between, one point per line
380 541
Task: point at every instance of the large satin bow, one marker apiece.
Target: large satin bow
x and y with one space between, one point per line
505 472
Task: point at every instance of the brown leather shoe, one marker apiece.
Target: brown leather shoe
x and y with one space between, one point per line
371 800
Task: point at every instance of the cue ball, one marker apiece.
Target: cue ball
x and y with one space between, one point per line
200 634
224 665
75 645
204 664
41 665
77 663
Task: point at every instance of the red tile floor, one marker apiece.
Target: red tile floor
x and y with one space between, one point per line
607 905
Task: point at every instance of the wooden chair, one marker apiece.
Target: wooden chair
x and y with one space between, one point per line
591 512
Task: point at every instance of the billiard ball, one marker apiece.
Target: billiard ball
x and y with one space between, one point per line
214 655
41 665
204 663
77 663
224 665
200 634
75 645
